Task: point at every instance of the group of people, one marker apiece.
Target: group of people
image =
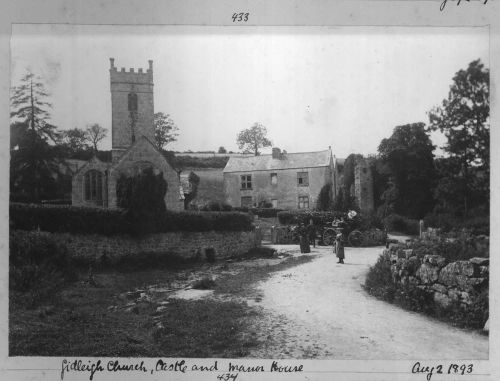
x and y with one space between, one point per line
307 236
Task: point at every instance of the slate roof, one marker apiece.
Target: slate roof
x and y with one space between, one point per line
287 161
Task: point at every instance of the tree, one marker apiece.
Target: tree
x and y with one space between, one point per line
325 201
389 198
94 134
194 182
222 150
253 138
29 105
75 140
344 201
143 198
33 165
464 119
165 130
409 161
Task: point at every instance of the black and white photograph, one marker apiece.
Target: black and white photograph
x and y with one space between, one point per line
240 193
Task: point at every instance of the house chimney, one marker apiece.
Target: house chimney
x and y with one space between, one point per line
276 153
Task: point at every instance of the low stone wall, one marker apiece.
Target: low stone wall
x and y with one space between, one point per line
449 283
186 245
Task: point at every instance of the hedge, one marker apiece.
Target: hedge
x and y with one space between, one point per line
39 265
261 212
82 220
223 207
293 217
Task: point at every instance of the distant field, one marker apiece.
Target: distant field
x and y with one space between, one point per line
211 185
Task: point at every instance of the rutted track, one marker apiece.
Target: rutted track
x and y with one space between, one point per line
320 310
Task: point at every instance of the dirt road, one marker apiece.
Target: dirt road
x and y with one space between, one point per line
320 310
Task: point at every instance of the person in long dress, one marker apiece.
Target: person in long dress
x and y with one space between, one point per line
312 233
304 239
339 248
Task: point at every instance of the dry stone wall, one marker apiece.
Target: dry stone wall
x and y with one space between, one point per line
449 283
187 245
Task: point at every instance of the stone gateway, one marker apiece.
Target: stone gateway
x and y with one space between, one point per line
132 136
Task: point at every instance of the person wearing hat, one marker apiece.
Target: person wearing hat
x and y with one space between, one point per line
338 248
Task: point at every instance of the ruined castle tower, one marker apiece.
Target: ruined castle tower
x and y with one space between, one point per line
132 106
363 185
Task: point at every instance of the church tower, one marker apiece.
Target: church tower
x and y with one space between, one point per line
132 107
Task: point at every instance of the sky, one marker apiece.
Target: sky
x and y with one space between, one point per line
312 87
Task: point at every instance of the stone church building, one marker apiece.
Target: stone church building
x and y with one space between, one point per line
132 135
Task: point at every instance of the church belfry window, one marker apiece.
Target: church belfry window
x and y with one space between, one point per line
93 186
132 102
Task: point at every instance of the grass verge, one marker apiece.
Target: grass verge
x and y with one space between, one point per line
84 320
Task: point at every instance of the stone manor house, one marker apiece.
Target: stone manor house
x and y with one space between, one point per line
292 180
132 135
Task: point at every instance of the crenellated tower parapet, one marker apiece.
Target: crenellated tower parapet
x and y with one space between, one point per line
132 105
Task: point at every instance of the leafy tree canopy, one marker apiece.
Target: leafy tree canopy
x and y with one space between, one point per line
165 130
29 104
253 138
94 134
409 161
464 117
75 140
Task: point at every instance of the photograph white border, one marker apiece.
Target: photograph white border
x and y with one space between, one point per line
269 13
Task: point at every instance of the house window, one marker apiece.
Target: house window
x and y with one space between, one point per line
274 178
303 202
132 102
302 179
93 186
246 202
246 182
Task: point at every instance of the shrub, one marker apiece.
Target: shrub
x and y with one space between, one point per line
460 248
143 198
448 222
223 207
80 220
216 206
373 237
395 222
414 299
379 281
476 315
38 265
370 221
325 201
294 217
261 212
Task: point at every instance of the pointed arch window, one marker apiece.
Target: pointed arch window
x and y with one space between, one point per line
93 186
132 102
